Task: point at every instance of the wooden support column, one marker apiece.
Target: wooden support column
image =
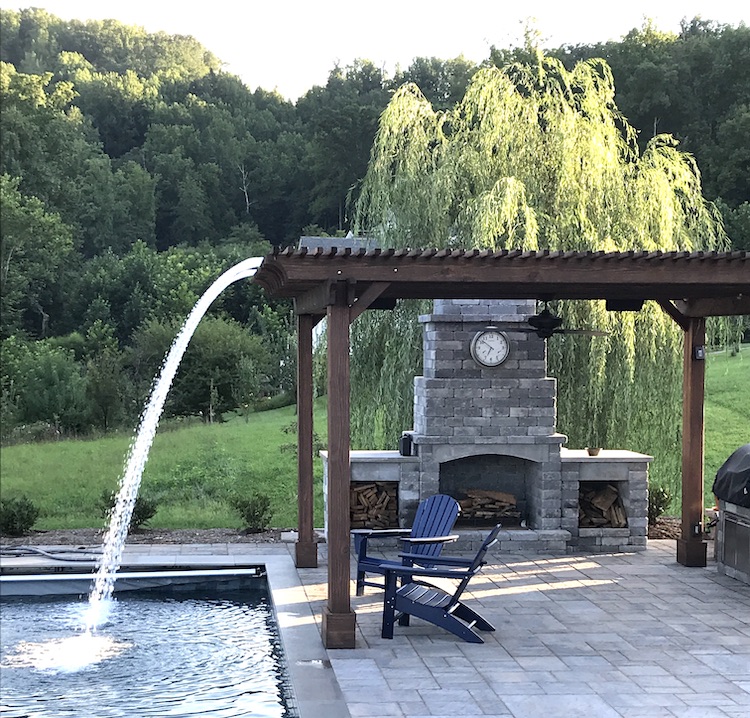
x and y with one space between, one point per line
306 550
691 548
339 620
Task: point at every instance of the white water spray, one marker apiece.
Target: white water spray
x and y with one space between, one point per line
114 540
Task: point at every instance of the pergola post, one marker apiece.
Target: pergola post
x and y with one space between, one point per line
306 550
339 620
691 547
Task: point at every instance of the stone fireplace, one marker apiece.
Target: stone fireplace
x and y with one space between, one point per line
487 427
485 434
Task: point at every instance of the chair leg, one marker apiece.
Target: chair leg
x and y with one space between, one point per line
459 629
388 619
389 606
472 617
445 620
360 583
403 619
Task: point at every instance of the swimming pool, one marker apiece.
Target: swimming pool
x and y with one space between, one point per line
173 644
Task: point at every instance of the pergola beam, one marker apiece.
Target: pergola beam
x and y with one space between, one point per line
712 307
367 298
508 275
675 313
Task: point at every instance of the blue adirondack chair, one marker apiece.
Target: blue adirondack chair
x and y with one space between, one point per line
430 603
422 543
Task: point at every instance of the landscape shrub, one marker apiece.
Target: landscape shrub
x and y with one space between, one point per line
254 510
659 500
144 510
277 401
17 516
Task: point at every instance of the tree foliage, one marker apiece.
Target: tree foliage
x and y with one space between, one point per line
35 248
693 85
538 156
208 379
135 170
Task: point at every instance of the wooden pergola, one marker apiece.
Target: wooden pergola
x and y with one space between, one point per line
342 284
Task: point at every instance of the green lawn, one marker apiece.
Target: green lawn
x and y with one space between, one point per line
727 410
192 471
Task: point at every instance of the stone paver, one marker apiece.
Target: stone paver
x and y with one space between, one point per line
605 635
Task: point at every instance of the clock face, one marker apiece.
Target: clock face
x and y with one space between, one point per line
490 347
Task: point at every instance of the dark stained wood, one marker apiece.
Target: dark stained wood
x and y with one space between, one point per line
691 547
315 299
338 629
713 307
306 552
681 320
370 294
513 274
336 619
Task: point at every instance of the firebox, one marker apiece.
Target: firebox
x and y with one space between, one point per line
490 488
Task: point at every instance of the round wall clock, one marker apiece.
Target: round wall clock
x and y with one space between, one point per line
490 347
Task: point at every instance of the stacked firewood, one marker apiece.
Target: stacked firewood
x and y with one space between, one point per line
480 505
600 506
374 505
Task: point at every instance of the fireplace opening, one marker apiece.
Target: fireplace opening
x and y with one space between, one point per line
490 488
600 505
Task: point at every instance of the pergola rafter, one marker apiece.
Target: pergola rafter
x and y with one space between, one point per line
342 284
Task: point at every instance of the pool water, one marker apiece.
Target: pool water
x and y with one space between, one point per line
187 654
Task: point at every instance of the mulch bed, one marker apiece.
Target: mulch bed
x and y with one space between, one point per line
94 537
667 527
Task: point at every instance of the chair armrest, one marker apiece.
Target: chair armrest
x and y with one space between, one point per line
438 560
362 536
430 539
380 533
427 572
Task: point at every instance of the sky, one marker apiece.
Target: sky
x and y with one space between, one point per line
291 45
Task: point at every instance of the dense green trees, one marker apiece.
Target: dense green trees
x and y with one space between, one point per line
36 245
133 171
341 119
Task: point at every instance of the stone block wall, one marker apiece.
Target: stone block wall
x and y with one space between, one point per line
629 472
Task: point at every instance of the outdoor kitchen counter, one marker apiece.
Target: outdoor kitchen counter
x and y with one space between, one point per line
605 455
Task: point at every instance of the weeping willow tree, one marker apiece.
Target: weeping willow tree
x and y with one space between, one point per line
535 157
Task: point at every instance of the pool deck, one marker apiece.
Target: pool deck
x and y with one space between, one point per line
632 635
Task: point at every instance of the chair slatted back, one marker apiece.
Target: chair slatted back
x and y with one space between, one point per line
435 517
477 563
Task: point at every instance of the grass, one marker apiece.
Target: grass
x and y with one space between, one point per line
727 411
192 471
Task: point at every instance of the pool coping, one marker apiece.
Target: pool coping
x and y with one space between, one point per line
316 691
